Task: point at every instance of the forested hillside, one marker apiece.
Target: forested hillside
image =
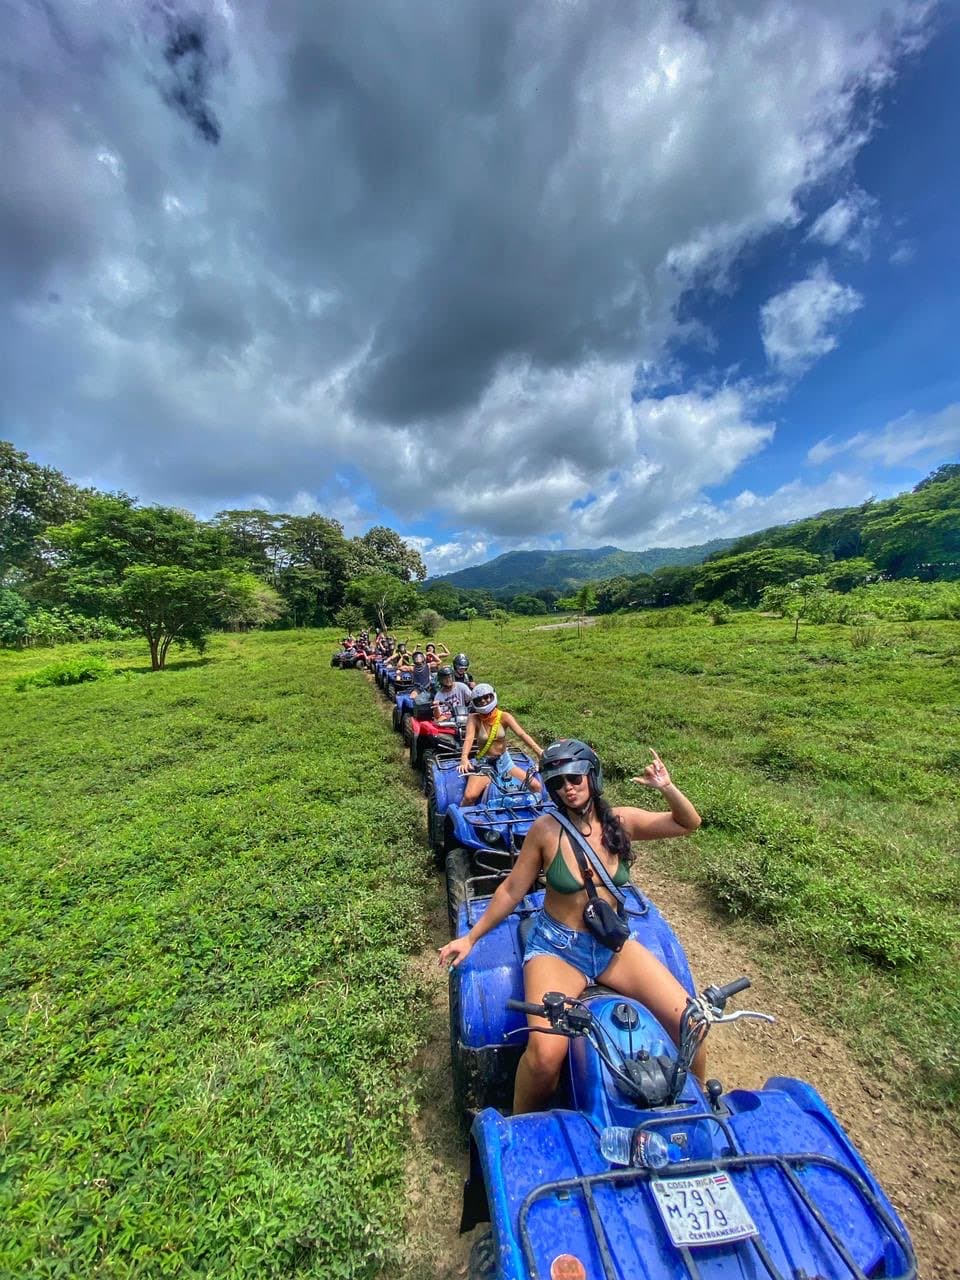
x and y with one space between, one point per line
915 535
525 571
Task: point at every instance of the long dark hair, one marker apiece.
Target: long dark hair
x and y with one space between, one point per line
614 839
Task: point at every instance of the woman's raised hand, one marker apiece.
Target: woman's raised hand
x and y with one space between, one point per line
655 775
454 952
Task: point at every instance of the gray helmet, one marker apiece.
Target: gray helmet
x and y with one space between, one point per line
570 755
486 694
446 671
461 662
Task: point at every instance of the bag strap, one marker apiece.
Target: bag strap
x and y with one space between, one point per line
491 735
581 848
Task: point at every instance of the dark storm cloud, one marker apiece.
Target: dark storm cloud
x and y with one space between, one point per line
186 55
293 235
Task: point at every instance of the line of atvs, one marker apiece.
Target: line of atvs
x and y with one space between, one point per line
636 1171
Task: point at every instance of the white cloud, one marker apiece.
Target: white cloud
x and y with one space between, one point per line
796 325
914 438
702 520
903 254
459 552
847 222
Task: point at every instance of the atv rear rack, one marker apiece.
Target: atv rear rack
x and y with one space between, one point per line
787 1165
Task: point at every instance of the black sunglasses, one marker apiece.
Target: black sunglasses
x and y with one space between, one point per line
562 779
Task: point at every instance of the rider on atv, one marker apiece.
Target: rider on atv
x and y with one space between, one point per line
461 670
488 725
451 696
433 656
422 672
560 955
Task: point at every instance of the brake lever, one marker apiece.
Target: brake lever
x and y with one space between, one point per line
743 1013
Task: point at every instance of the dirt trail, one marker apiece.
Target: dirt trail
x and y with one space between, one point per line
917 1163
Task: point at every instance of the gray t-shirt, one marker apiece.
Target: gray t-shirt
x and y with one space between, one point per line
452 700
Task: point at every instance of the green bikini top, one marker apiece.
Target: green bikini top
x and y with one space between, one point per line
561 878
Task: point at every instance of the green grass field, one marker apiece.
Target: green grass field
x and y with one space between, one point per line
207 1014
212 884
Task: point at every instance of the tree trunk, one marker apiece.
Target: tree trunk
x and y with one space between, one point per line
155 661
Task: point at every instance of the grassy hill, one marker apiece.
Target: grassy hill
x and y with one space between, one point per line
519 571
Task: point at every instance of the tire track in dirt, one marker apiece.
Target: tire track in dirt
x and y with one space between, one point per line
916 1161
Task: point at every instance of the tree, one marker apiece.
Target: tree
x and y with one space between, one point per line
14 612
468 614
382 550
31 497
500 617
673 584
921 537
384 597
114 534
350 619
743 578
443 598
845 575
527 605
804 598
169 604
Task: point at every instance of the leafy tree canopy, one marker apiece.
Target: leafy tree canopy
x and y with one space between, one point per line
31 497
384 598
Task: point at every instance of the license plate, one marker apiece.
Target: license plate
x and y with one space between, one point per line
701 1210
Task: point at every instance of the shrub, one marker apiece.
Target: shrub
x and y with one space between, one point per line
80 671
863 636
429 622
719 613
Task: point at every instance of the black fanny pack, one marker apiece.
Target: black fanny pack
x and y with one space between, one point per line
601 920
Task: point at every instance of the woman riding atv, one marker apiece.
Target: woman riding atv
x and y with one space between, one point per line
488 726
560 955
434 655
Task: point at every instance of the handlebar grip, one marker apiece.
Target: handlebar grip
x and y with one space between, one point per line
524 1006
723 994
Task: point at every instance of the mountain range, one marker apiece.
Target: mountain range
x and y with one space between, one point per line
523 571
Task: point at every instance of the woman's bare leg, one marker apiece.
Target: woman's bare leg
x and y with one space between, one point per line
636 972
477 784
539 1068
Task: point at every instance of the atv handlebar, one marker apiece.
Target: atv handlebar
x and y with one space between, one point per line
524 1006
718 996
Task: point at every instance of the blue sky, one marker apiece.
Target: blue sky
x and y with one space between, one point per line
552 274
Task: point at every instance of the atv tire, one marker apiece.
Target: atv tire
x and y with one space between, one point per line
483 1258
437 833
406 728
395 718
459 869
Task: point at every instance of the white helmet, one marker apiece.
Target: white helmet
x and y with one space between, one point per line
484 699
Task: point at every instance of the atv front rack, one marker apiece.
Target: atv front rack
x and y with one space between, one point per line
787 1165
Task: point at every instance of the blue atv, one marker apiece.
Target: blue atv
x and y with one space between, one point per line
496 826
637 1172
396 682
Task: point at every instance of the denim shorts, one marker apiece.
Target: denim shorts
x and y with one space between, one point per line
577 947
498 767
